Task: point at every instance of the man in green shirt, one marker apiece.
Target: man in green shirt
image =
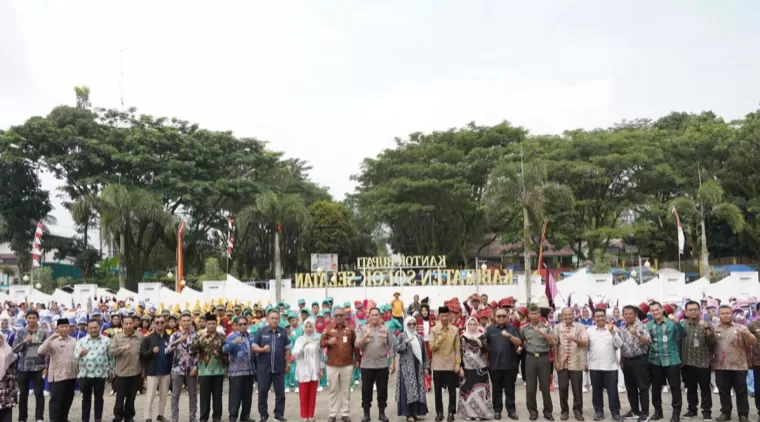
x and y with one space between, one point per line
664 360
537 341
212 362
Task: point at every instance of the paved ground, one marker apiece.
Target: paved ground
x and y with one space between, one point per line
293 413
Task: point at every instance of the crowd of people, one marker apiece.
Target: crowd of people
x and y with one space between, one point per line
473 351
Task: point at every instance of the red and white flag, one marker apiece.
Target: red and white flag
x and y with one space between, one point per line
37 246
681 238
229 237
551 288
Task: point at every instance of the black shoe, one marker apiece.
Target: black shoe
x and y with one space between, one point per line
450 418
384 418
617 418
438 417
631 415
723 418
707 417
579 416
656 416
548 416
513 416
148 420
366 417
675 418
534 417
743 419
497 416
343 419
690 414
598 416
282 419
563 416
160 418
643 418
331 419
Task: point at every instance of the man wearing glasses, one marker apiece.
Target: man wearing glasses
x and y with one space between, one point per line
503 339
341 355
238 346
157 363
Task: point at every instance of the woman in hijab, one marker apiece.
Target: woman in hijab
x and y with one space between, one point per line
412 362
475 400
310 367
8 383
6 330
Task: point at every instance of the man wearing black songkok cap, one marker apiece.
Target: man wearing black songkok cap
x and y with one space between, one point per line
444 343
62 370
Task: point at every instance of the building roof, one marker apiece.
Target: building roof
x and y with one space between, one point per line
495 249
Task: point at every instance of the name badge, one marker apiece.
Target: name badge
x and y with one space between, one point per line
536 355
345 339
696 341
664 338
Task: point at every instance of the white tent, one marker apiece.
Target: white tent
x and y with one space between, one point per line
62 297
236 289
696 288
39 297
124 294
170 298
189 295
576 285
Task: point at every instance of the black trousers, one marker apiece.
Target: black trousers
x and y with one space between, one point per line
241 397
6 415
538 370
565 381
726 380
449 380
61 397
211 390
371 377
24 378
636 376
604 380
694 377
672 376
266 381
756 371
503 380
126 390
88 387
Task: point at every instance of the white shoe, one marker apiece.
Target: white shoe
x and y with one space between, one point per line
46 393
585 390
621 389
715 390
287 390
320 389
296 390
732 393
665 389
31 392
374 388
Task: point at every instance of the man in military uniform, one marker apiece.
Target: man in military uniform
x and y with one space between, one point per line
537 340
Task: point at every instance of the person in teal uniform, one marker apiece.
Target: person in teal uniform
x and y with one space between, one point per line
301 304
295 330
326 305
315 308
305 314
321 325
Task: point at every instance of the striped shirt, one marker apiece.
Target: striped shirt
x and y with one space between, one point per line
665 337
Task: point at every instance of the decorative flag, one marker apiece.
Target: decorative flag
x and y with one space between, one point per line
180 259
37 246
229 238
681 238
541 251
551 288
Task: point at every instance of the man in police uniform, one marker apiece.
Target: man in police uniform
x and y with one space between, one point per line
537 340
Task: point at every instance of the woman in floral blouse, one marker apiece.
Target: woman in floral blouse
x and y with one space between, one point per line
8 384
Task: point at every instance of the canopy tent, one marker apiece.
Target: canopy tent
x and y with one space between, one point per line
124 294
62 297
236 289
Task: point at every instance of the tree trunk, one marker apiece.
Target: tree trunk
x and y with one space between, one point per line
122 261
277 267
705 267
526 254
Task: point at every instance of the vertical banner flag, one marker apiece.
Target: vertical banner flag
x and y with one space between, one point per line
551 290
681 238
180 259
37 246
229 238
540 265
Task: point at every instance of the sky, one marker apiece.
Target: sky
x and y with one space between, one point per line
334 82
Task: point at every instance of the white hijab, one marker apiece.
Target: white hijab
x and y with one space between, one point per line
7 357
412 333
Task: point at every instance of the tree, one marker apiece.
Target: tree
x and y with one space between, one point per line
212 271
427 192
330 230
710 203
23 203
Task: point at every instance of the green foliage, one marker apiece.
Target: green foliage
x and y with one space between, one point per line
330 230
212 271
44 278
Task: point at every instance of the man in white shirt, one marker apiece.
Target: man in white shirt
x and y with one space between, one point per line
604 340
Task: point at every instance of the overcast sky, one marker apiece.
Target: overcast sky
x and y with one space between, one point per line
333 82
